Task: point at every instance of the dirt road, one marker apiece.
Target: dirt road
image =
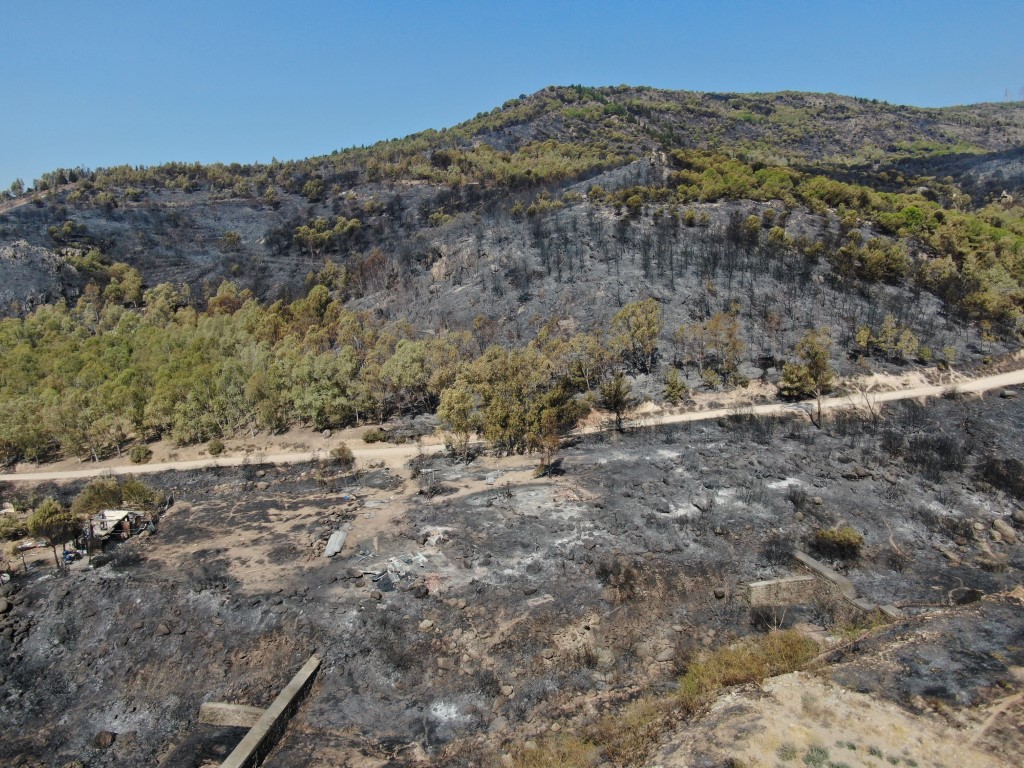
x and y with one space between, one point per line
396 455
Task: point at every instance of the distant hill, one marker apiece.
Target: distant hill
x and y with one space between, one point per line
504 178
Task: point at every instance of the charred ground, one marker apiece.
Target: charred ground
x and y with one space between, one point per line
547 600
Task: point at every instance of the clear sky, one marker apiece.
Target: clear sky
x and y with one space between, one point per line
142 82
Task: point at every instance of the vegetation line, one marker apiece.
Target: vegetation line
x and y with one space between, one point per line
403 452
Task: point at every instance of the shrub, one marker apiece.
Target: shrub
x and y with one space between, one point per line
938 453
215 447
619 575
140 454
787 752
815 757
343 456
843 542
1005 474
375 436
12 528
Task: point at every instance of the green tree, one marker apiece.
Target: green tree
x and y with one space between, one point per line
675 388
813 376
458 410
637 326
617 397
52 522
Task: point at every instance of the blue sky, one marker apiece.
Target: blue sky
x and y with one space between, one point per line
104 83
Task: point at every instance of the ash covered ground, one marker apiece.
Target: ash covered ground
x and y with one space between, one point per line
514 602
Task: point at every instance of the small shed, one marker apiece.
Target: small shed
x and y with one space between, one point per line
117 524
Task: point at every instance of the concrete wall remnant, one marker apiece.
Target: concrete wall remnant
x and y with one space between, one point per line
792 590
818 582
261 738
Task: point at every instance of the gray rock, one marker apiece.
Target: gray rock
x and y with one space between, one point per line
336 542
5 606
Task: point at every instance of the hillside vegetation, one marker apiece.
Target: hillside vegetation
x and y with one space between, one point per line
508 270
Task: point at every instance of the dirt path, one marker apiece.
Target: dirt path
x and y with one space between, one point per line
862 399
396 455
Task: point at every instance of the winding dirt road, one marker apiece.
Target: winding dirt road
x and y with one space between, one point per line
396 455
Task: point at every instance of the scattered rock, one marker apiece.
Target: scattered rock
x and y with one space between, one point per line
163 629
1005 530
719 593
426 625
507 690
420 591
498 725
529 590
1008 394
667 655
103 739
262 485
5 606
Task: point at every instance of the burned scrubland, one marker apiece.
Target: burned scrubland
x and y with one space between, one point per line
476 606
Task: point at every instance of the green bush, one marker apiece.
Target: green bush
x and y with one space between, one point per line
108 493
140 454
375 436
12 528
343 456
815 757
215 447
843 542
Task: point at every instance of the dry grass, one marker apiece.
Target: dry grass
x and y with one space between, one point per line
557 752
628 737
